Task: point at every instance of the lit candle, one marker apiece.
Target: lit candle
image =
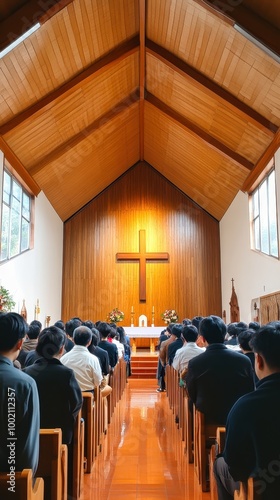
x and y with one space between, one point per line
153 309
132 309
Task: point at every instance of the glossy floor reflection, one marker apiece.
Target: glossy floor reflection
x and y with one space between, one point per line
142 456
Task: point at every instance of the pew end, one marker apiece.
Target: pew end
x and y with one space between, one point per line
24 487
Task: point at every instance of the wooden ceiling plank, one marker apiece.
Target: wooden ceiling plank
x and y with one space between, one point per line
247 19
142 35
76 139
19 168
201 134
102 64
210 86
252 179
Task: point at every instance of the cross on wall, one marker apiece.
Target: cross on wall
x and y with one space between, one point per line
142 257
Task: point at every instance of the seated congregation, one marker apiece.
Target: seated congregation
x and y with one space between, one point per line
230 389
60 385
56 402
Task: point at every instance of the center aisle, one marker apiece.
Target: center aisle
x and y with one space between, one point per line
142 455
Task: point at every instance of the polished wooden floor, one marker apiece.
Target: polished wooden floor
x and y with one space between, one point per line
142 455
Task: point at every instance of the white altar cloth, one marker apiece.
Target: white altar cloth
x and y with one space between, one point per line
142 332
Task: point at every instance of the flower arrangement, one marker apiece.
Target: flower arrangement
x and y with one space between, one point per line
115 316
170 316
6 300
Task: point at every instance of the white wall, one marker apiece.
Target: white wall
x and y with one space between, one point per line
37 274
254 274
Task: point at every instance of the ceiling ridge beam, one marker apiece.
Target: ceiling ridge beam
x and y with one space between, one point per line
213 143
102 64
83 134
211 87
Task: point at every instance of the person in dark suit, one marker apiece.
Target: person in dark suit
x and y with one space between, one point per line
177 344
59 392
105 330
219 376
252 429
19 401
102 355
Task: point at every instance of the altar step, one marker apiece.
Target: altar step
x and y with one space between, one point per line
144 366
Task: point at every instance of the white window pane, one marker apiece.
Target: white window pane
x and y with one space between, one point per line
15 231
26 206
16 189
5 232
24 235
264 218
257 234
255 204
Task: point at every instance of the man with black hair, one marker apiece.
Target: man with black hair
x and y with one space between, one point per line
176 344
252 447
19 401
104 331
189 350
30 342
59 392
85 365
219 376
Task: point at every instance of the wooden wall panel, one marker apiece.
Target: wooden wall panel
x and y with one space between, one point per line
94 282
270 307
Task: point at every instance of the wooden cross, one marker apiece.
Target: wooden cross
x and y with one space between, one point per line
143 257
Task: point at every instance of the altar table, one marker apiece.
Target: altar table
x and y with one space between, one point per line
143 332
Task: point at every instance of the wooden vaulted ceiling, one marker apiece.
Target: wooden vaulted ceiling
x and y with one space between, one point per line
105 84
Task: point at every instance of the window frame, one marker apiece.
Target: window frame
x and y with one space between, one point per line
258 214
16 182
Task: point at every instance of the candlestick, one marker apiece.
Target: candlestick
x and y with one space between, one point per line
132 310
153 309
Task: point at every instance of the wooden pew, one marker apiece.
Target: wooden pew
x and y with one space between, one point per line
188 431
203 433
89 440
24 488
77 479
52 466
246 491
216 448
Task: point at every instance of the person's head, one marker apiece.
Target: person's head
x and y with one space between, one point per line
82 336
121 334
89 323
71 325
51 342
196 321
104 329
177 330
95 337
169 328
190 333
213 329
60 324
13 329
33 331
37 323
244 338
242 325
186 321
254 325
266 345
